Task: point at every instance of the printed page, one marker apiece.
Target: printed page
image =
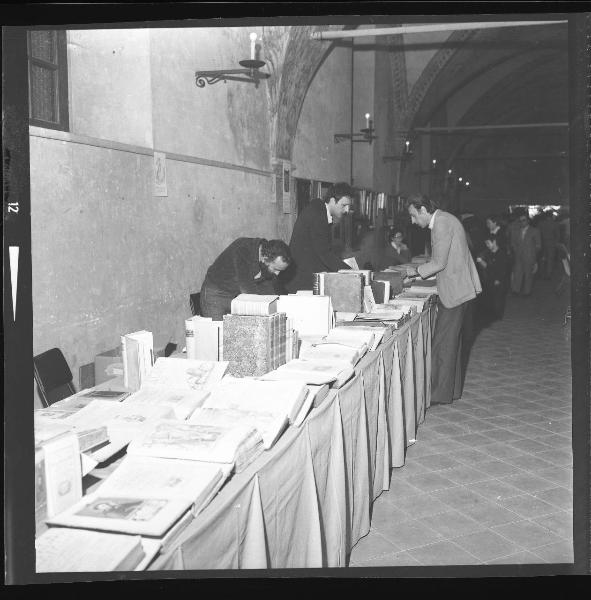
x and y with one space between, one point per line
184 373
149 477
352 262
268 423
277 398
182 402
126 514
65 550
191 441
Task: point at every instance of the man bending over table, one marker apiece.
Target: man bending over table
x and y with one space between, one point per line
246 266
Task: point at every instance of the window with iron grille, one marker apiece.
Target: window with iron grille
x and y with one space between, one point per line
48 79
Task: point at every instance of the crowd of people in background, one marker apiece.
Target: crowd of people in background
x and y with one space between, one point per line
511 251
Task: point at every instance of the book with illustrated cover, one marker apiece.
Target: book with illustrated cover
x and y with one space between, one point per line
254 304
64 550
62 472
228 444
270 424
146 496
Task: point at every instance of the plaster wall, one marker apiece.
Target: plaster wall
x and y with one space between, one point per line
326 111
108 256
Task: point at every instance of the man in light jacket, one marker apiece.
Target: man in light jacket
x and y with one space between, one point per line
457 285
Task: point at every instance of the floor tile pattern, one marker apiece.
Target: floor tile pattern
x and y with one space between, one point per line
489 479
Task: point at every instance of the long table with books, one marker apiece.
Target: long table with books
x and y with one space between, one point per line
306 502
264 448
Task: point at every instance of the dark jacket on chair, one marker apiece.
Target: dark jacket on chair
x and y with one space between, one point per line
310 248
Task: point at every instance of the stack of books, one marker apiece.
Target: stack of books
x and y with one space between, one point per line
254 345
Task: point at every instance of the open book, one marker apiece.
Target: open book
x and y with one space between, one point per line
267 405
311 372
181 402
184 374
228 444
123 421
355 337
146 496
334 352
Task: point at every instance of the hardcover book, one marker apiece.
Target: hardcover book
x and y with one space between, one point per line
252 343
145 495
254 304
344 289
395 278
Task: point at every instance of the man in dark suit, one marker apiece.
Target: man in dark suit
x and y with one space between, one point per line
526 243
246 266
457 286
310 239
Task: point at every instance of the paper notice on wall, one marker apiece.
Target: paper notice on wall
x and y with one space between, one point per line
286 178
160 174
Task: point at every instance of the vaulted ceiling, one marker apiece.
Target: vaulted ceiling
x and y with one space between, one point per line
504 76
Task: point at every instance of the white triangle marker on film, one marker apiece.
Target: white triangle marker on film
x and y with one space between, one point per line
13 257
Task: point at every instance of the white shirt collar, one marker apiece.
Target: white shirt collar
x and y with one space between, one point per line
328 213
432 220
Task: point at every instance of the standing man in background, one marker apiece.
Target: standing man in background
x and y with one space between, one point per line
310 239
457 285
526 244
550 237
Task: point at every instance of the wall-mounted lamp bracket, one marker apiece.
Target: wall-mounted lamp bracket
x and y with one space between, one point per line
249 74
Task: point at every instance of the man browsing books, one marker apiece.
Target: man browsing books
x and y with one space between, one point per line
310 239
457 285
246 266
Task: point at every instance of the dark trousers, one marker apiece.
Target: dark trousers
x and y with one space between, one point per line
214 303
452 340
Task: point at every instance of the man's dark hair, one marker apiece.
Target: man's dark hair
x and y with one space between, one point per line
418 200
272 249
494 218
395 232
338 190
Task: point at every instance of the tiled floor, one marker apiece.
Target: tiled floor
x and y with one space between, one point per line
489 479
